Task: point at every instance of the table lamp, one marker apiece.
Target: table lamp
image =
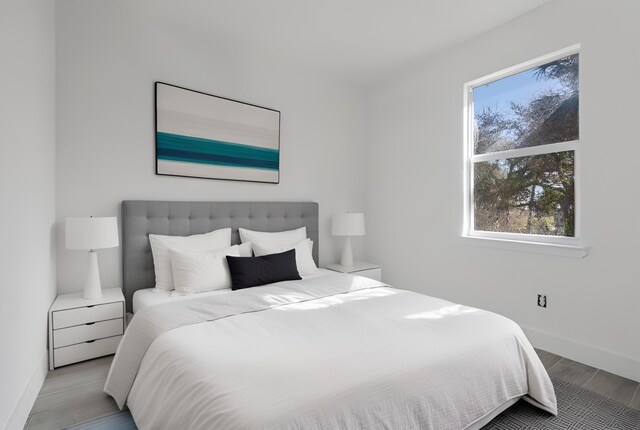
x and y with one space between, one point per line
347 224
91 233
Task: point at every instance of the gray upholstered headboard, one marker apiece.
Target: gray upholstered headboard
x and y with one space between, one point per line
141 218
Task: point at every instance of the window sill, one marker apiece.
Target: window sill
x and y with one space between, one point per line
571 251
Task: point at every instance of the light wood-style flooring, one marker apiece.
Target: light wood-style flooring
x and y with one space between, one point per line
73 394
615 387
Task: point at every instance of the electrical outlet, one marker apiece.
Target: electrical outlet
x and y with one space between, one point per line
542 301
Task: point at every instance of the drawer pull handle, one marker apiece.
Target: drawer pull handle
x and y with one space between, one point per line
90 306
91 323
90 341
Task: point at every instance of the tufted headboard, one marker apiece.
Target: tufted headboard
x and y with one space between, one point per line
141 218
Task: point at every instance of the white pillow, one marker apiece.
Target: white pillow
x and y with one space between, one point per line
245 249
202 271
160 245
277 239
304 257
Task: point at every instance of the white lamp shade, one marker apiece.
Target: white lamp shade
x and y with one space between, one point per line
91 232
349 224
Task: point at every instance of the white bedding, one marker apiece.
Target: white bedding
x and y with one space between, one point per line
333 351
152 296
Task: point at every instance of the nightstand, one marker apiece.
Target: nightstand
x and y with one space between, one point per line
360 268
82 329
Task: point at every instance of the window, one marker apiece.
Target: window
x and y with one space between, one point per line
522 145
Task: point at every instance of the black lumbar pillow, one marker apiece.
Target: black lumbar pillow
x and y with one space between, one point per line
254 271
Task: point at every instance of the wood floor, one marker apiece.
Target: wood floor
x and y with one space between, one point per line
73 394
609 385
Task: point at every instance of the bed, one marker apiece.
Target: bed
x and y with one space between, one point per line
327 351
151 297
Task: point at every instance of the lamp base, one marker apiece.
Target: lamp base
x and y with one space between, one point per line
92 288
347 254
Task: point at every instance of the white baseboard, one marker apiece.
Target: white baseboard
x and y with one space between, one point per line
20 414
591 355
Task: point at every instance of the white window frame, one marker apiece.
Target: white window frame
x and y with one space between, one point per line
557 245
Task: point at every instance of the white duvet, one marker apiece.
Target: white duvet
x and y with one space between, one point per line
330 352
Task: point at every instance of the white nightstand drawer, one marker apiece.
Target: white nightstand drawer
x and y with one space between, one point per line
81 329
86 314
371 273
85 351
91 331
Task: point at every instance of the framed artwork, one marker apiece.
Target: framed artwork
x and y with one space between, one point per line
200 135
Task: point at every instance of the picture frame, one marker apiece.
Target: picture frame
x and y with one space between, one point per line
200 135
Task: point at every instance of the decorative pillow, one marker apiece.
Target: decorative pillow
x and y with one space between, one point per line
254 271
160 245
271 239
202 271
304 257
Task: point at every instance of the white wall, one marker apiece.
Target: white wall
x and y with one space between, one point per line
414 176
108 56
27 176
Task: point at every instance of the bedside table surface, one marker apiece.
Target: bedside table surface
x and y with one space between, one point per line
74 300
358 266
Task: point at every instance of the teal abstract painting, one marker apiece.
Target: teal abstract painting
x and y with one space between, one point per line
204 136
